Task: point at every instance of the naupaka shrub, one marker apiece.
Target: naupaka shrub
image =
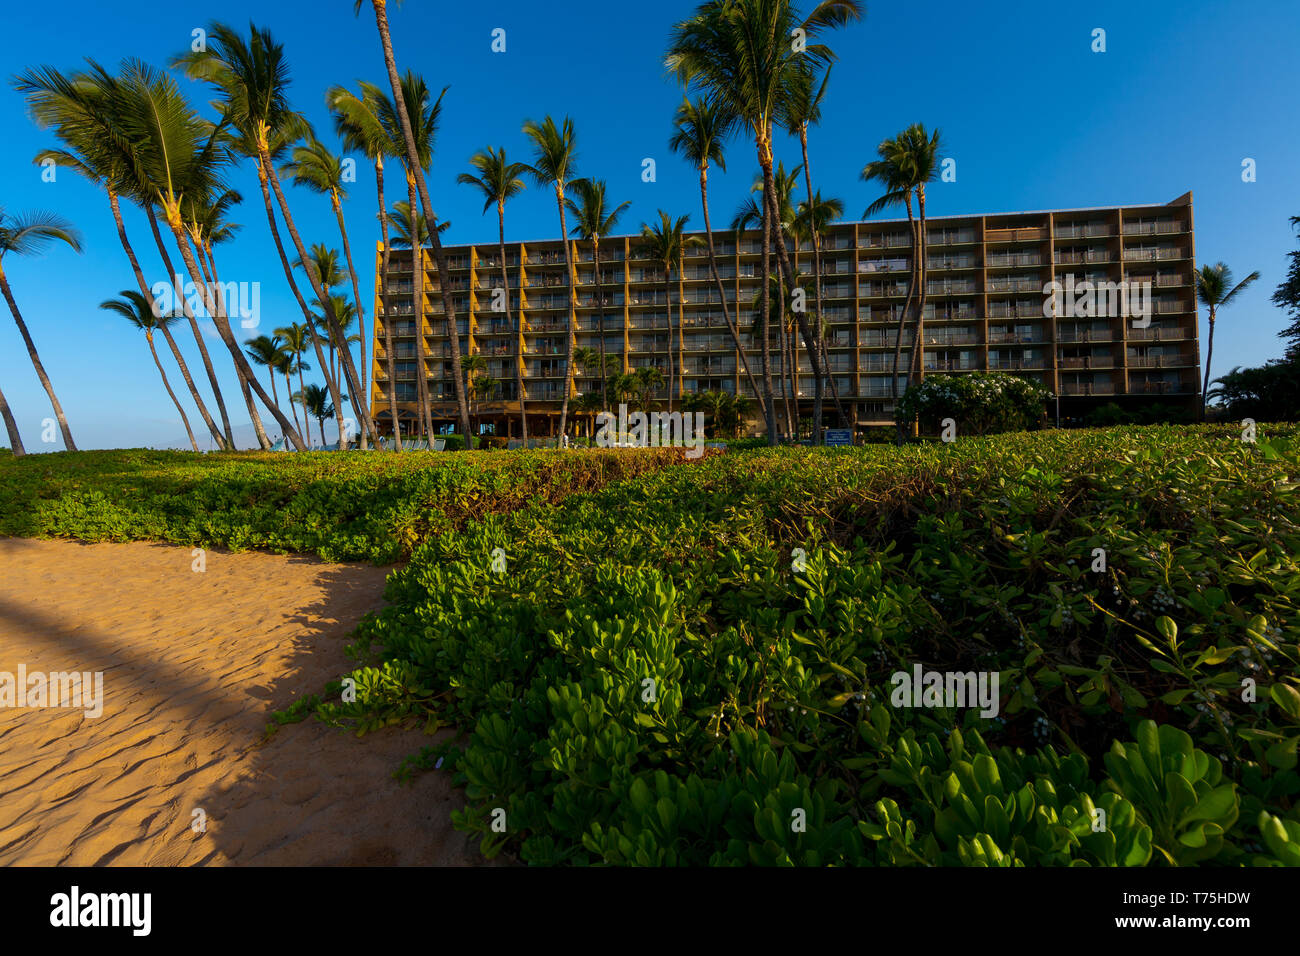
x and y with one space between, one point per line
978 403
693 665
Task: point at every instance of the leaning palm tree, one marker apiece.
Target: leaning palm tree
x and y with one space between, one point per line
140 312
357 120
499 180
83 111
666 243
11 426
316 167
554 156
593 220
26 235
252 77
410 231
739 54
1215 290
413 160
895 172
700 129
179 156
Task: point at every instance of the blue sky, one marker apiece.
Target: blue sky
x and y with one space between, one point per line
1184 92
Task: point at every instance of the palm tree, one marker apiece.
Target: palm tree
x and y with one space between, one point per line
700 129
252 76
357 121
894 170
315 402
469 365
295 337
179 156
413 161
739 54
84 111
922 160
314 166
803 108
26 235
812 219
554 156
1215 290
410 231
646 381
593 220
322 263
499 180
268 352
11 426
666 243
140 312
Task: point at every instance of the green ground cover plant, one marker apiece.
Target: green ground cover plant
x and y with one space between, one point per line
693 666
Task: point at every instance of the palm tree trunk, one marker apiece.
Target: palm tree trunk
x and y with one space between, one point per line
11 426
668 304
345 356
902 324
320 424
568 271
211 278
519 329
167 385
717 280
783 259
356 293
383 294
216 308
194 326
918 348
439 257
1209 355
765 296
308 319
171 342
818 330
288 396
417 278
600 314
787 376
68 443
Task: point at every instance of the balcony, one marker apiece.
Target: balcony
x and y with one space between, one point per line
1017 234
1087 388
1157 228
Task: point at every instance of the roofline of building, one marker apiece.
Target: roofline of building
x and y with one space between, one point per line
1184 200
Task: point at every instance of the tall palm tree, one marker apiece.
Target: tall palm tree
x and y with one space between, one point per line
1215 290
316 167
411 231
554 156
140 312
357 119
322 263
803 108
26 235
83 110
666 243
739 54
922 152
413 160
700 129
499 180
252 77
812 218
296 338
895 172
593 220
178 155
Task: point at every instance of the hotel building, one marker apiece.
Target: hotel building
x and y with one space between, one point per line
984 311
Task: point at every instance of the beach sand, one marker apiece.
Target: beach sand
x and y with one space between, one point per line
193 665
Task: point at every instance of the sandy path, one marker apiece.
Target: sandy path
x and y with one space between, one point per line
193 665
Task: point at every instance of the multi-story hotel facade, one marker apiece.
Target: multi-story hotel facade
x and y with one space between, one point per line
988 278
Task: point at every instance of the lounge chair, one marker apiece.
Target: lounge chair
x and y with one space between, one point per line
440 444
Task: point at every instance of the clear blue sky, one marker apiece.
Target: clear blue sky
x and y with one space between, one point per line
1034 118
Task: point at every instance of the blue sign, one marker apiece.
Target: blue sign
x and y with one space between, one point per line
839 436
